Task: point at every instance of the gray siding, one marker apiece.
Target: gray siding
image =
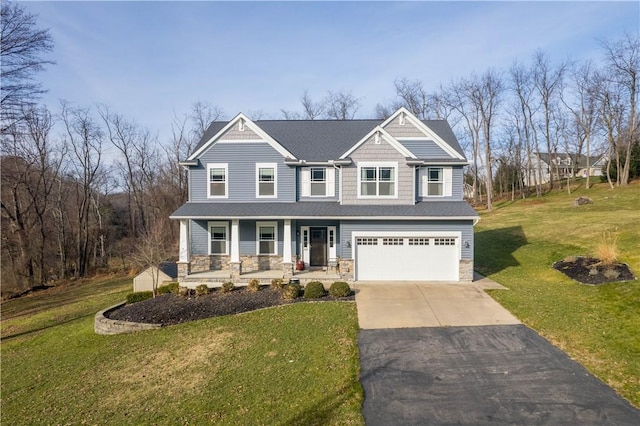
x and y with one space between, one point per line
199 235
373 226
402 131
234 134
425 149
457 177
248 236
370 151
241 158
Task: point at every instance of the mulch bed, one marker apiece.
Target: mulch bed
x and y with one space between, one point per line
170 309
589 270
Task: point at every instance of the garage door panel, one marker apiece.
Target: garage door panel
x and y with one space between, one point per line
407 259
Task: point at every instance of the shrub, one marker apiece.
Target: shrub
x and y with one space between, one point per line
139 296
611 274
291 291
339 289
184 291
227 287
169 288
314 290
593 271
202 289
607 250
277 283
253 286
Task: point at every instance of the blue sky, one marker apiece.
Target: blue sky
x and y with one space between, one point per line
148 60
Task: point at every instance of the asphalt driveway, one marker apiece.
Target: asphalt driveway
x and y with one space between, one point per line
440 354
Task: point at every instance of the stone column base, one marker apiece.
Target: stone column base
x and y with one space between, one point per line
184 269
287 268
236 269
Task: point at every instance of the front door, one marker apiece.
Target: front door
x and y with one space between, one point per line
318 255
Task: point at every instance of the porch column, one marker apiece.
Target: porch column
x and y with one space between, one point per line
287 266
234 262
184 267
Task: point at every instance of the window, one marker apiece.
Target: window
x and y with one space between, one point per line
217 175
393 241
218 242
378 180
267 237
435 181
367 241
318 181
266 180
418 241
444 241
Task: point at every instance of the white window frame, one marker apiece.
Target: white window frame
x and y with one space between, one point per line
273 166
323 181
378 165
224 166
447 174
226 235
275 236
428 181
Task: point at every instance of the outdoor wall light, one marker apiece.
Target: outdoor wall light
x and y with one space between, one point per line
467 244
348 243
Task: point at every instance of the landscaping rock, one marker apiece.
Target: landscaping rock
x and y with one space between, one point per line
582 200
589 270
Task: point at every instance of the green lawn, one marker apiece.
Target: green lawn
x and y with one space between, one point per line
295 364
599 326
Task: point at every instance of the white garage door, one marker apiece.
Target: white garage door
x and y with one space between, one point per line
407 258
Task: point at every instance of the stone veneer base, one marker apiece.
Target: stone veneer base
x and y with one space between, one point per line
106 326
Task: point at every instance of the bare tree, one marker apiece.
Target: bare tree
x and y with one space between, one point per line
623 59
202 114
289 115
311 110
413 96
22 51
152 248
341 105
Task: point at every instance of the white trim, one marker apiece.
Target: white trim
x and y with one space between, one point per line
476 219
273 166
386 136
305 181
183 254
225 224
306 251
224 166
330 178
447 182
378 164
332 251
286 242
424 129
235 240
275 236
252 126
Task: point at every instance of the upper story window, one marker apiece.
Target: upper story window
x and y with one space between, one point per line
218 238
377 180
267 180
318 181
267 237
435 182
217 185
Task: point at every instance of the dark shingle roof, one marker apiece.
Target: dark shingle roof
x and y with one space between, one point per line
426 210
322 140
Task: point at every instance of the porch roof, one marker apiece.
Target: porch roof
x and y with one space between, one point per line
433 210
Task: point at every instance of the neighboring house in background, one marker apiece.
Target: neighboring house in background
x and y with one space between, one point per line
379 199
562 166
167 272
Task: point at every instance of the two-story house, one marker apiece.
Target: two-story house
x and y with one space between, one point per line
382 199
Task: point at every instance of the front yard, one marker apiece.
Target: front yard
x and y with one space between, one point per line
294 364
596 325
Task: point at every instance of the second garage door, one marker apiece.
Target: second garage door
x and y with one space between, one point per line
407 258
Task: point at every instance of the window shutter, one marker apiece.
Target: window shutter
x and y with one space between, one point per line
422 173
448 178
305 177
331 181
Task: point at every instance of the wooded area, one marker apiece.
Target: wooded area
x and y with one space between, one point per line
68 210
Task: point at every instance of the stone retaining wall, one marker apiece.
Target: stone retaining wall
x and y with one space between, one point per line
104 325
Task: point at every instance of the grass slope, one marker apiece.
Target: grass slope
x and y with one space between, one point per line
295 364
516 245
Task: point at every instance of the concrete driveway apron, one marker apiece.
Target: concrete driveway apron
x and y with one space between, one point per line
440 354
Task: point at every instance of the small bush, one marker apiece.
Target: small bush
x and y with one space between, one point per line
202 289
607 250
227 287
139 296
339 289
169 288
314 290
291 291
277 283
593 271
611 274
184 291
253 286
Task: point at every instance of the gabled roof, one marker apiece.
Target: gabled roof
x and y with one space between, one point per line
581 161
380 133
323 140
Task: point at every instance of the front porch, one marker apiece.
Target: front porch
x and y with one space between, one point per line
216 278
